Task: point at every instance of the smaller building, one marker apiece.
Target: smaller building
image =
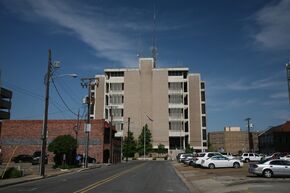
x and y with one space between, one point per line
24 137
275 139
233 140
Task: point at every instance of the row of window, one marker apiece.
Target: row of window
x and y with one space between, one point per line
177 86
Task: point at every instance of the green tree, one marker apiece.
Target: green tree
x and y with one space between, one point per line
129 145
188 149
148 140
161 149
63 145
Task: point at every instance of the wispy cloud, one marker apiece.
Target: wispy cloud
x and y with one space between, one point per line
279 95
246 84
90 25
229 104
274 24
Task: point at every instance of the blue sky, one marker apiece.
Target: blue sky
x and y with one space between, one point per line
240 48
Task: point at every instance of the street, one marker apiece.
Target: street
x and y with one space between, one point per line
137 176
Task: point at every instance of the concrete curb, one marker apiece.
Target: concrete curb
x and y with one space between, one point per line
190 187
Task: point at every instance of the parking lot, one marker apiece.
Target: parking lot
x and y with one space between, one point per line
225 180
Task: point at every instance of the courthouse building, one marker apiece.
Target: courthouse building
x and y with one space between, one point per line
171 101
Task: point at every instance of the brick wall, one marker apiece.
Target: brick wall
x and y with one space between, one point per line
25 135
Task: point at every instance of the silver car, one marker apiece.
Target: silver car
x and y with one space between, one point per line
269 168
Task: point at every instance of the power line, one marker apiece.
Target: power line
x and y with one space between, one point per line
66 88
62 98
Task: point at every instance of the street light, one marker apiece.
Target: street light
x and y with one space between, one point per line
51 67
145 135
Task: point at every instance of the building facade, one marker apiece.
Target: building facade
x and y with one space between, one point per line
171 101
233 140
24 137
275 139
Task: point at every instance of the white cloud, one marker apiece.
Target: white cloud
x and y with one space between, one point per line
90 25
274 23
279 95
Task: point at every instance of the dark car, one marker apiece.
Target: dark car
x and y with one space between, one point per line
36 158
22 158
90 159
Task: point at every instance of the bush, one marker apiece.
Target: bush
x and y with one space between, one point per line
12 173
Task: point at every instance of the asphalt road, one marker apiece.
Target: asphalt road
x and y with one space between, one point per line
136 176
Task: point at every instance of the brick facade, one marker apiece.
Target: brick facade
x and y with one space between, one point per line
25 136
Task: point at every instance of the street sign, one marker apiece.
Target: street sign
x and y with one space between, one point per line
87 127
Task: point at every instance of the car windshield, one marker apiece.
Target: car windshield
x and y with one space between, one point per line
200 155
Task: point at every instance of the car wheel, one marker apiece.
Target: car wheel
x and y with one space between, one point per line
267 173
211 166
247 160
236 165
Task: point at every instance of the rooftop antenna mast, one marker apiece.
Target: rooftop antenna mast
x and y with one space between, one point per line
154 49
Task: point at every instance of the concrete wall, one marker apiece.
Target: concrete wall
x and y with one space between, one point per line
195 111
100 98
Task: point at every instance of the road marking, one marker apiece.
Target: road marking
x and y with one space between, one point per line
103 181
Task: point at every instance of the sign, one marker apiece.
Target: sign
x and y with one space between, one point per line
87 128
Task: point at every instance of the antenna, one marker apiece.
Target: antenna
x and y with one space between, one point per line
154 49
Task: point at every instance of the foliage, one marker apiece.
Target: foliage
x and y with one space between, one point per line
129 145
64 145
12 172
161 149
188 149
148 140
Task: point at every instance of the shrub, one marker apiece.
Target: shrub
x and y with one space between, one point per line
12 173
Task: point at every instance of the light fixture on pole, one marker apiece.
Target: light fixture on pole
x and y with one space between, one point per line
51 67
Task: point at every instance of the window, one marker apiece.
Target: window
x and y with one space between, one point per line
204 134
176 86
175 99
175 113
204 144
175 125
116 99
203 121
202 96
117 86
185 87
203 109
202 85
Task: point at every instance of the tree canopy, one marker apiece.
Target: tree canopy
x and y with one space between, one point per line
148 141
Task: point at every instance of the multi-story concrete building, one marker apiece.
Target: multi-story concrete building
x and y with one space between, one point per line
233 140
171 101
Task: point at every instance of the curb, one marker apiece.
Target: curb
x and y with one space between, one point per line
190 187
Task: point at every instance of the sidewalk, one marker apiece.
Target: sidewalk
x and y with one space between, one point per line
49 172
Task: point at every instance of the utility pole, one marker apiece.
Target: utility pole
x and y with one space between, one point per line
44 129
111 153
87 83
249 134
128 142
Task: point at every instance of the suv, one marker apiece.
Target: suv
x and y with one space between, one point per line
204 156
247 157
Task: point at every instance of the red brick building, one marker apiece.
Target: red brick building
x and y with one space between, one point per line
25 137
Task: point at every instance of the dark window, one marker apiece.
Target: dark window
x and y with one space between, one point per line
185 87
276 162
202 85
203 108
106 114
204 144
107 87
186 126
186 114
185 100
202 96
106 135
203 121
204 134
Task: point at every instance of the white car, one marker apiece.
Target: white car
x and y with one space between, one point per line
221 162
203 156
247 157
286 157
228 155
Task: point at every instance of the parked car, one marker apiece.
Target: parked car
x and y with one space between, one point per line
221 162
90 159
269 168
286 157
184 156
22 158
178 156
247 157
275 155
36 158
189 160
203 156
228 155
